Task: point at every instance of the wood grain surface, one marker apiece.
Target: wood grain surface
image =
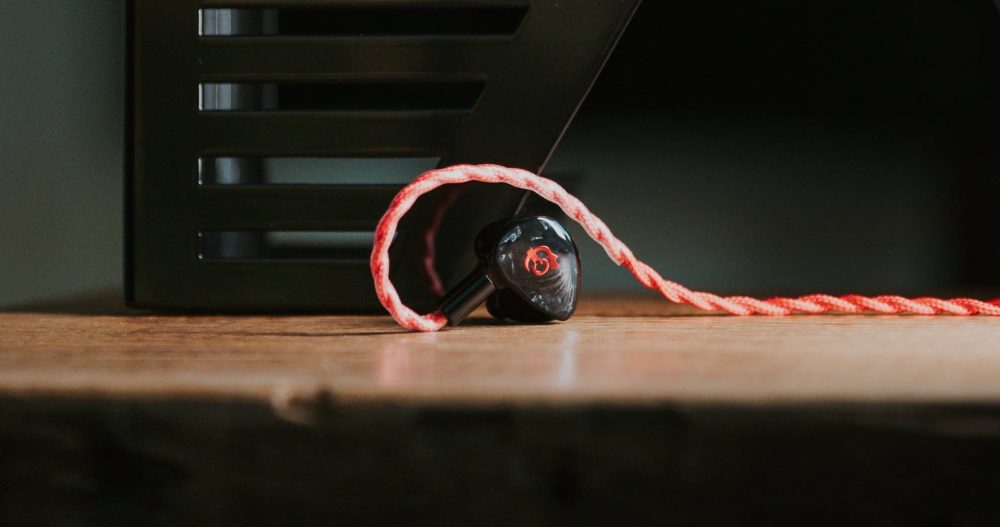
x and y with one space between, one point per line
634 412
614 350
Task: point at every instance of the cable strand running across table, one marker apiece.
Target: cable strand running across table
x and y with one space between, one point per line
622 255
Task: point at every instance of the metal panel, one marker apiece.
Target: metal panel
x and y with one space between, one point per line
535 78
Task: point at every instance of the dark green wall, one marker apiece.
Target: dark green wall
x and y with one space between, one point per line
60 147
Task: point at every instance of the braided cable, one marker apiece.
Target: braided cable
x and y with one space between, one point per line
622 255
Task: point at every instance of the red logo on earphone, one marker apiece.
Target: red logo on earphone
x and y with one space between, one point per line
538 260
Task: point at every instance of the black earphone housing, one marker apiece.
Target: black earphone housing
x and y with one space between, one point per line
529 271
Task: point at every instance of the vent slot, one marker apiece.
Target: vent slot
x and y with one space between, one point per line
345 246
358 21
312 170
410 95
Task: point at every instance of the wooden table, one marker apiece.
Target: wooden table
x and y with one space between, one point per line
632 410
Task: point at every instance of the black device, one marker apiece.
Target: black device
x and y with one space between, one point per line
528 271
259 134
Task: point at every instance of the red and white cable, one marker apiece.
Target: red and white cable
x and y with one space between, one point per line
621 255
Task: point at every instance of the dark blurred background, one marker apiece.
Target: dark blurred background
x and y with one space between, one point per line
769 146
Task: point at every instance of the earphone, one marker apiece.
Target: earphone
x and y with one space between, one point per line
513 251
529 271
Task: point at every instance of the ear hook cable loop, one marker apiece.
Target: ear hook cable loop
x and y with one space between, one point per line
622 255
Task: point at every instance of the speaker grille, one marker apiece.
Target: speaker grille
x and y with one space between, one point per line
225 93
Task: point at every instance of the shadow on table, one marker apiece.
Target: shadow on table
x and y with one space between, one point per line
102 302
112 303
